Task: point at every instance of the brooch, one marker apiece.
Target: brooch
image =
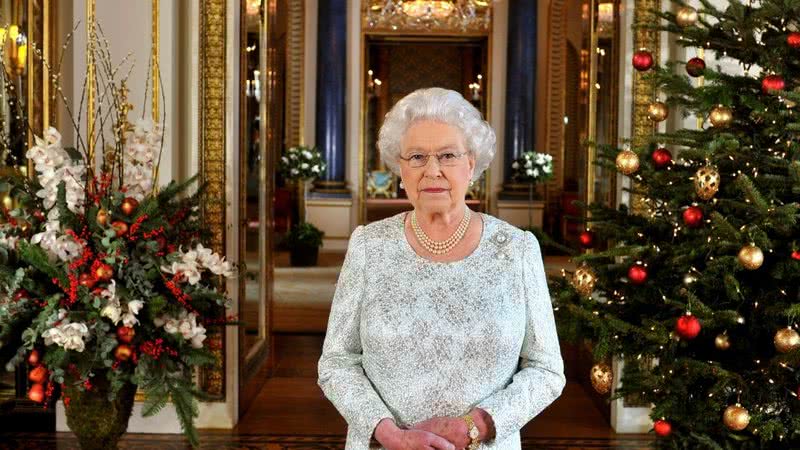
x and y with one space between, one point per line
501 239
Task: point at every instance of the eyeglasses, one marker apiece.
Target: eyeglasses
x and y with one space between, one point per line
447 159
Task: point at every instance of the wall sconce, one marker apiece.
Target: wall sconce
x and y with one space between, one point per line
475 88
373 85
252 7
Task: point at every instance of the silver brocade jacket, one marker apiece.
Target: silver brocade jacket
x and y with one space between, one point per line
411 339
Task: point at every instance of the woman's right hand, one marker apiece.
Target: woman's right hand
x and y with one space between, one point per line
391 437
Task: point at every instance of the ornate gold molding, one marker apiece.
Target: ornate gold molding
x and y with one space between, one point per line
644 89
387 16
295 54
556 75
155 70
212 160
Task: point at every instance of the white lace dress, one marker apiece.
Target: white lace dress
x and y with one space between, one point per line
411 339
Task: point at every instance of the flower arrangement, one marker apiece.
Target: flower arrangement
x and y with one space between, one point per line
105 282
302 163
532 167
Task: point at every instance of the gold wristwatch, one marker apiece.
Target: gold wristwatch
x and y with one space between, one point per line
472 432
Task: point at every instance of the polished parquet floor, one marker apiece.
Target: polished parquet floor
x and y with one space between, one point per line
292 413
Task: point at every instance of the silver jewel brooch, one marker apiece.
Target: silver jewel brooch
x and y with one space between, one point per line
501 239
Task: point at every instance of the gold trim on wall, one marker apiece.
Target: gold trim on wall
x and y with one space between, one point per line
644 90
155 73
295 55
212 160
556 76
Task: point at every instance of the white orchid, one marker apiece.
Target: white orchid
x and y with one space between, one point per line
186 325
69 335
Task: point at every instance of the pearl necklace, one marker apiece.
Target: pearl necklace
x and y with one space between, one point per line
440 247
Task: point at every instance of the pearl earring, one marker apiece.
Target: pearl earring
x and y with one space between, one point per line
471 183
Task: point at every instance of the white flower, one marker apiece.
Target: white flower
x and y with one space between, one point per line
112 309
129 319
67 335
547 168
9 242
295 171
315 169
304 166
188 271
529 172
515 165
186 325
548 157
292 156
536 172
307 154
528 164
285 160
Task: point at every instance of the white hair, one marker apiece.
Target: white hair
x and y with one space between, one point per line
441 105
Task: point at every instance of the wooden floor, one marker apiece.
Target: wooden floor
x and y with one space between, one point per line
292 413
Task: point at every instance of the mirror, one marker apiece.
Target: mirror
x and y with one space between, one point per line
253 181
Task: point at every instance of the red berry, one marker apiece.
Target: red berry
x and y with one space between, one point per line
637 274
87 280
687 326
662 428
20 294
796 255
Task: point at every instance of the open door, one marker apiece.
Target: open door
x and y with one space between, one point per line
255 199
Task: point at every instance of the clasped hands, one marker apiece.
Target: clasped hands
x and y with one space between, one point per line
441 433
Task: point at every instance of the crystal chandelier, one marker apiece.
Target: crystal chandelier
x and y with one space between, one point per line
455 16
439 9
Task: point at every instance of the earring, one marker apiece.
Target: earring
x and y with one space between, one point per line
471 183
402 186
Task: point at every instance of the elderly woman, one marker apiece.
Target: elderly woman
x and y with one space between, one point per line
441 334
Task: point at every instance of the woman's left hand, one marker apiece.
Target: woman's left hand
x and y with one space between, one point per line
454 429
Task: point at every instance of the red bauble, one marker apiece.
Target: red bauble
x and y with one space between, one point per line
33 358
38 374
693 217
772 83
20 294
637 274
695 67
87 280
661 158
123 352
36 393
103 272
662 428
642 60
793 39
587 239
687 326
120 227
125 334
796 255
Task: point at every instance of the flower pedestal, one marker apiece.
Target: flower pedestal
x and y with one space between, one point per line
97 422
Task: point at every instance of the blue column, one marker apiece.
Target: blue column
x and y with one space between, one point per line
331 88
520 81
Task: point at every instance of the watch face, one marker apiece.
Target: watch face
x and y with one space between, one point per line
473 433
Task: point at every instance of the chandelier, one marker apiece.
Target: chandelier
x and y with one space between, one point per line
427 15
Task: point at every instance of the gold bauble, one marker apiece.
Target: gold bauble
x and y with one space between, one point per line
686 16
706 182
601 377
786 340
720 116
722 342
102 217
129 205
736 417
751 257
657 111
584 279
627 162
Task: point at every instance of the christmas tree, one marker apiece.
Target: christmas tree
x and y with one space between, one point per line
695 284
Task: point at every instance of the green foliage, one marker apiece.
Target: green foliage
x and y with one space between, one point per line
304 234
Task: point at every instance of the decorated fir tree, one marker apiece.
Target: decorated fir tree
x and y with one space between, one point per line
695 284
